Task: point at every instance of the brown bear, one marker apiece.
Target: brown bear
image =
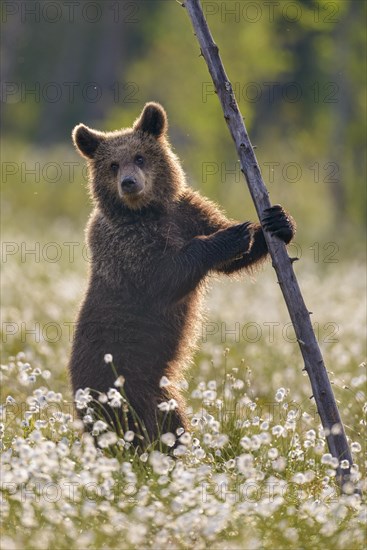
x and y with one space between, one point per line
153 242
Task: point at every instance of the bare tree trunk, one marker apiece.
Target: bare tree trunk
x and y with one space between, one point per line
300 316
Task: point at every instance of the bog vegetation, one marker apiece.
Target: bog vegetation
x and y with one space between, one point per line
255 471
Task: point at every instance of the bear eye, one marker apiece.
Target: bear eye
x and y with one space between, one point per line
139 160
114 167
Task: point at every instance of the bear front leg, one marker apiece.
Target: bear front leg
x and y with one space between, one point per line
182 273
222 246
277 222
257 253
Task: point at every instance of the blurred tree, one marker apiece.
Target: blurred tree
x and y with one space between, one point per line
296 67
55 74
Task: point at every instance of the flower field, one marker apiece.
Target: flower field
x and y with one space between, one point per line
255 471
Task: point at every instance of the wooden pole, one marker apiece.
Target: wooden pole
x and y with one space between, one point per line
282 263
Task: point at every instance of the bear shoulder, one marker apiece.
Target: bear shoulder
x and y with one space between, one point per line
97 230
204 215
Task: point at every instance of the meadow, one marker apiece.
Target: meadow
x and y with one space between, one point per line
254 472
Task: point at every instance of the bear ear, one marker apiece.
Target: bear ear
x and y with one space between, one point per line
86 140
153 120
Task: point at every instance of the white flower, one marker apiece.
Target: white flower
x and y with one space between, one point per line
99 426
280 394
355 447
212 385
219 441
129 435
348 488
244 463
185 438
166 406
107 439
172 404
164 382
119 382
238 384
115 397
336 429
210 395
277 430
299 478
311 434
116 403
279 464
255 442
160 462
326 459
200 453
108 358
82 398
181 450
168 439
246 443
273 453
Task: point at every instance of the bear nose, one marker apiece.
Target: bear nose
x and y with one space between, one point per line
128 182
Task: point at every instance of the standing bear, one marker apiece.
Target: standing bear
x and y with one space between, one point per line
153 243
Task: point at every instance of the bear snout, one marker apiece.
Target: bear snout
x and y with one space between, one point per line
130 185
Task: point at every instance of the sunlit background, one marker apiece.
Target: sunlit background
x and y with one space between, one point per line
299 71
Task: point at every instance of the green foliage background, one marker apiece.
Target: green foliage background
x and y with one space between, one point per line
143 50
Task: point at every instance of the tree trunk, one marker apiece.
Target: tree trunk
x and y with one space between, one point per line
300 316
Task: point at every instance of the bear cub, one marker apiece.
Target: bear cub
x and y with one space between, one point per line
153 243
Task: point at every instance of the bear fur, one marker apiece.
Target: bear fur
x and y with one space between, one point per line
153 243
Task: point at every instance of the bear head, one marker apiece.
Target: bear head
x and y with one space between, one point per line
132 169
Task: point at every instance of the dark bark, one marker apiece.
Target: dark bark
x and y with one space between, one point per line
300 316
